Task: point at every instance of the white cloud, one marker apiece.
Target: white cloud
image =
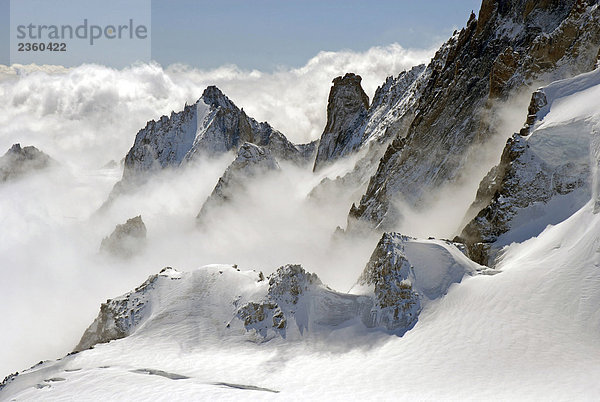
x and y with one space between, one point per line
90 114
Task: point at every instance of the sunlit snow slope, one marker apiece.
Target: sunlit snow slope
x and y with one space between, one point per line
531 331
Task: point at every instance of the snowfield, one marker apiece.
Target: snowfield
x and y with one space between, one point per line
529 332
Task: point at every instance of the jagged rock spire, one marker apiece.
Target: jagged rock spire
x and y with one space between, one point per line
346 110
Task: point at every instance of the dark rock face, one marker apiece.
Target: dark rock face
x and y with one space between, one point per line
127 239
390 115
512 45
538 101
251 161
18 161
346 110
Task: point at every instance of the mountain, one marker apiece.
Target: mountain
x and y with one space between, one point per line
545 174
18 162
127 239
212 126
365 134
251 161
424 315
346 110
511 45
402 275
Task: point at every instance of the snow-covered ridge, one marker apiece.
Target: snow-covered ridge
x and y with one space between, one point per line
405 273
539 317
543 177
402 275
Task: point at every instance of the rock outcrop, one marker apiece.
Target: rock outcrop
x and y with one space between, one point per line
346 110
120 317
251 161
18 162
544 175
404 274
510 46
287 286
126 240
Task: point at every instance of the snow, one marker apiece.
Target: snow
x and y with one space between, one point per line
560 147
437 265
582 91
529 332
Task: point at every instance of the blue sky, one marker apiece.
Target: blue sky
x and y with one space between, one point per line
267 34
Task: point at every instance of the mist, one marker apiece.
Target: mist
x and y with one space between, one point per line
445 211
54 277
89 114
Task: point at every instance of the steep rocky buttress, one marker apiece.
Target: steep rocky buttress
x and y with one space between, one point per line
389 116
544 176
346 111
511 45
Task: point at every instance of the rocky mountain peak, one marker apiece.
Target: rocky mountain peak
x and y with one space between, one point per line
126 240
212 126
214 97
18 161
346 110
348 88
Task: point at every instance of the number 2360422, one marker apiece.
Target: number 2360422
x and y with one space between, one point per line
42 47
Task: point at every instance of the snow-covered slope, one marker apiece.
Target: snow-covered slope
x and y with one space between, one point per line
491 337
544 176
